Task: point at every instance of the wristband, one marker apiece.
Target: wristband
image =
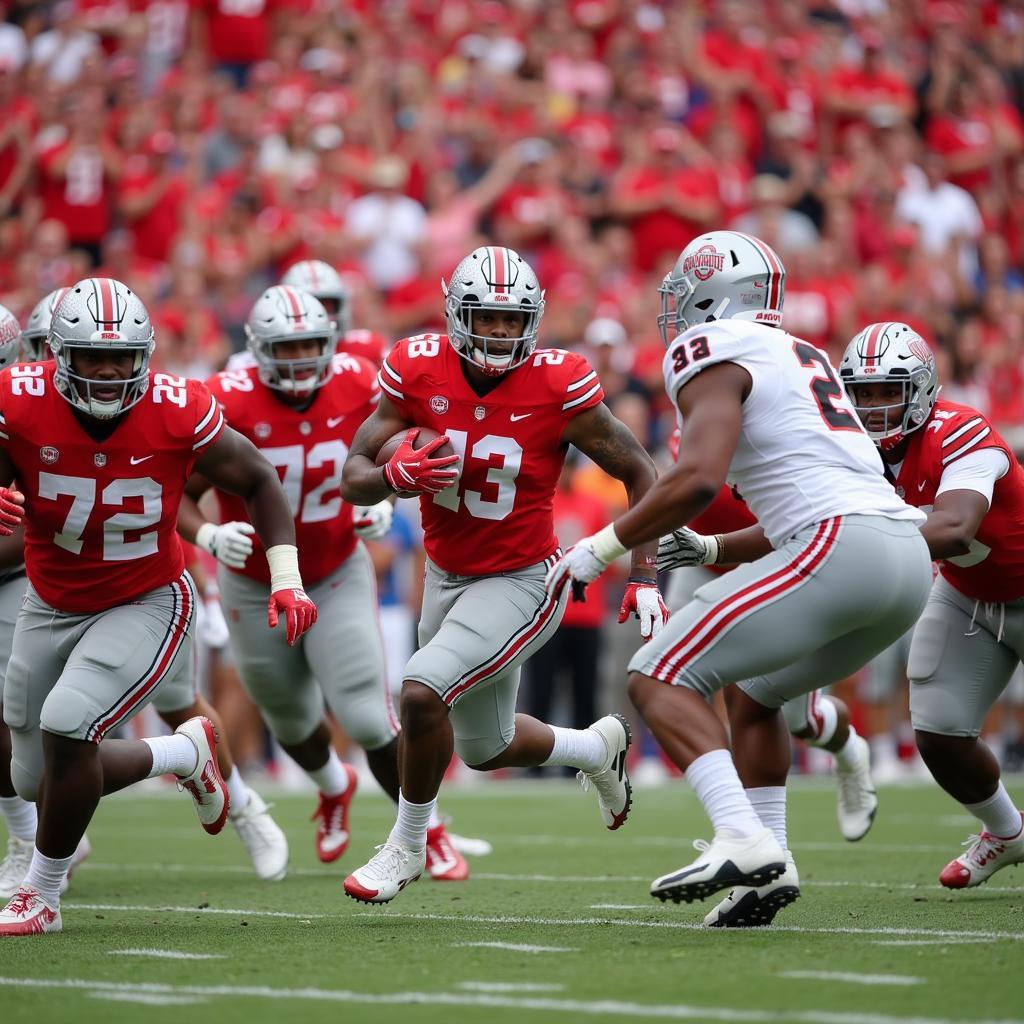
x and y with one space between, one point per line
204 537
606 544
283 560
716 548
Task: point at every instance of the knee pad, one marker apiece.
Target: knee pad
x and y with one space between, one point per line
480 750
66 712
24 780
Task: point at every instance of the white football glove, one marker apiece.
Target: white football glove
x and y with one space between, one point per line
373 522
213 627
229 543
684 547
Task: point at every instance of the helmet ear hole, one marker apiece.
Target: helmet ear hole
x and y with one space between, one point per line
704 304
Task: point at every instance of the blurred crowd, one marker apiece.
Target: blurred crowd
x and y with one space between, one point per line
196 148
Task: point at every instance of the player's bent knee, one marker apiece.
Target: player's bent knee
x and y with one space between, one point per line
419 703
67 713
480 753
640 689
934 746
25 781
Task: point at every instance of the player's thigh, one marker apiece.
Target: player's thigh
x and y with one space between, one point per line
684 583
277 677
12 594
492 626
35 665
484 721
957 670
820 586
345 652
120 659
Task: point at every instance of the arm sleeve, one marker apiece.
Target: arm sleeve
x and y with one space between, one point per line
390 378
210 421
977 471
583 388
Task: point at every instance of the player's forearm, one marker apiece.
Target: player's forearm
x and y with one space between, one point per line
673 501
947 535
644 559
12 550
189 519
269 512
740 546
363 483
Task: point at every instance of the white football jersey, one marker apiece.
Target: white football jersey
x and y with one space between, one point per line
802 454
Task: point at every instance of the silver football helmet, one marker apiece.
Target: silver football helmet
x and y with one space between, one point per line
492 277
10 338
892 353
37 327
723 275
101 313
324 282
284 314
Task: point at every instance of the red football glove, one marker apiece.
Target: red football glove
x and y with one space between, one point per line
299 611
412 469
643 599
12 510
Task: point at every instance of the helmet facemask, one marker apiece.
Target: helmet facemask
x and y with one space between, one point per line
80 391
497 279
295 376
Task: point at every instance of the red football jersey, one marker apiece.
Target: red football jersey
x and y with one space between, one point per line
101 516
728 512
498 515
309 448
993 570
370 345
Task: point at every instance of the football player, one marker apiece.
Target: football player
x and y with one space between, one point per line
816 718
835 571
176 701
509 413
101 448
950 461
323 282
301 405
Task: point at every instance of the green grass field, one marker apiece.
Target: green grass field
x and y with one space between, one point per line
555 924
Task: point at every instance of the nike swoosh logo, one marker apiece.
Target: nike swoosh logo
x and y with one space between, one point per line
515 418
921 485
333 421
134 461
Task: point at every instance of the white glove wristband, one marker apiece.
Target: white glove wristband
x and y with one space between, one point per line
606 544
283 560
205 535
713 549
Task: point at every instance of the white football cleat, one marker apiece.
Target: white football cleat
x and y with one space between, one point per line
614 793
386 874
263 840
27 913
858 801
728 861
14 867
470 846
986 855
756 908
205 782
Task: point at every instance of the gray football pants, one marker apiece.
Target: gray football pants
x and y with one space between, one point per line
806 615
340 660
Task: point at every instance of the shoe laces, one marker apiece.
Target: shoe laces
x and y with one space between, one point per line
330 812
388 860
21 901
440 845
982 848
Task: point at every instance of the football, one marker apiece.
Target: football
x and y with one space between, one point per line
425 436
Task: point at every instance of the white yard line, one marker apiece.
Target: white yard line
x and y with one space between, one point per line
518 947
856 979
492 876
147 999
545 1004
928 942
190 910
166 954
509 986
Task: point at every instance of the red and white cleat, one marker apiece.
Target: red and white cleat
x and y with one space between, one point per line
28 913
444 862
331 816
386 874
205 783
986 854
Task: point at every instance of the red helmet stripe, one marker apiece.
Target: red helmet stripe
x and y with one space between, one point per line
293 301
871 348
775 269
312 272
498 265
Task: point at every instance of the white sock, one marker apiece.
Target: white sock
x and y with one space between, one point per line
769 803
435 818
46 873
844 756
238 791
20 816
998 814
175 754
713 778
578 748
332 779
410 829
